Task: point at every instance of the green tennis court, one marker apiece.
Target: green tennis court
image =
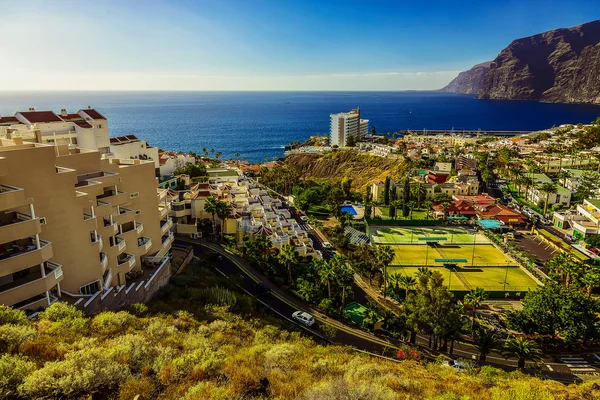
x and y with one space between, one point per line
489 278
412 234
423 255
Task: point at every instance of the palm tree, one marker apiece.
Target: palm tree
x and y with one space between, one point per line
418 192
564 175
395 205
523 349
345 219
385 255
475 299
424 271
485 340
428 206
407 282
547 188
445 206
411 205
210 206
223 211
327 274
288 257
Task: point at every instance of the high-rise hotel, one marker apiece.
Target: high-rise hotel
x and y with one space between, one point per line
74 219
346 124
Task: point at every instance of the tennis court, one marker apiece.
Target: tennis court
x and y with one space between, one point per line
425 255
467 278
412 234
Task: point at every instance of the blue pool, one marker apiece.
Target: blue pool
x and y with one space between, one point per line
348 209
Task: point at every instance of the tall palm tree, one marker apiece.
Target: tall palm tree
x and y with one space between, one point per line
407 282
395 205
411 205
564 175
419 191
445 206
327 274
385 255
210 206
522 348
223 211
475 299
288 257
485 340
547 188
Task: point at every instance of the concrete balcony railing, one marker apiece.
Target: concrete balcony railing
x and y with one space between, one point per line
23 254
161 194
126 262
97 240
586 227
11 197
165 226
90 221
144 244
117 247
103 209
113 197
139 228
167 240
187 228
21 226
125 215
109 228
163 211
32 285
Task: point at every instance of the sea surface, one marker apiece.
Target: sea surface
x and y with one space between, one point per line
258 124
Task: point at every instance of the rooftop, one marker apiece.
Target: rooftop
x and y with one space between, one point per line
40 116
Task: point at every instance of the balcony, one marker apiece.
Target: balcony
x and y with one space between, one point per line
15 225
165 226
181 209
90 221
161 194
103 261
11 197
109 228
144 244
187 228
29 283
113 197
19 254
125 215
97 239
126 262
167 240
103 209
139 228
164 210
586 227
117 246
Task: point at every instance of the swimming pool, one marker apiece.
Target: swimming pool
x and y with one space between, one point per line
348 209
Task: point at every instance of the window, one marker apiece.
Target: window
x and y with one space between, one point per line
42 220
90 288
134 195
138 212
99 126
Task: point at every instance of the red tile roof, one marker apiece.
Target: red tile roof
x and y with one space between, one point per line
83 124
40 116
6 120
93 113
70 116
124 139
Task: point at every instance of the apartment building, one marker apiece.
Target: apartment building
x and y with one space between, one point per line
130 146
346 124
553 165
74 222
584 221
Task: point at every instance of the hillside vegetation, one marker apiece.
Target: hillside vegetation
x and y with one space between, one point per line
337 165
117 355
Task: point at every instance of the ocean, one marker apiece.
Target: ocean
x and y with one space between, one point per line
258 124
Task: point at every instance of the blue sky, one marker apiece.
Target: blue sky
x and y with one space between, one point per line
263 45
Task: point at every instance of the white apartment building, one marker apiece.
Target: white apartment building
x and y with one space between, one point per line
346 124
170 161
130 147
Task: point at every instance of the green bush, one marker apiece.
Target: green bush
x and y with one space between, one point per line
13 336
9 315
13 370
110 323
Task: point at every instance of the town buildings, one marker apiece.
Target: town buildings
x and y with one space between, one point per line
74 221
345 125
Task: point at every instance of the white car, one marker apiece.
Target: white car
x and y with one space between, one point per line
326 245
304 218
457 365
304 318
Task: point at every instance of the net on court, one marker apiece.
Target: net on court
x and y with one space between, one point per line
388 235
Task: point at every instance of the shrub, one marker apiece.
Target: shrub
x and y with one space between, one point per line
111 323
143 387
133 350
13 336
9 315
138 309
209 391
82 372
13 369
60 312
159 330
64 320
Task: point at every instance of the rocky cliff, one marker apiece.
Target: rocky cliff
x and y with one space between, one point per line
562 65
469 82
362 168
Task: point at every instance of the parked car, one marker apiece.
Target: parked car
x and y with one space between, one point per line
304 318
569 238
509 236
458 365
304 218
262 289
327 245
218 256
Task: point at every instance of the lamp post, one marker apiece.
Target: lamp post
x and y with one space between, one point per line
506 275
